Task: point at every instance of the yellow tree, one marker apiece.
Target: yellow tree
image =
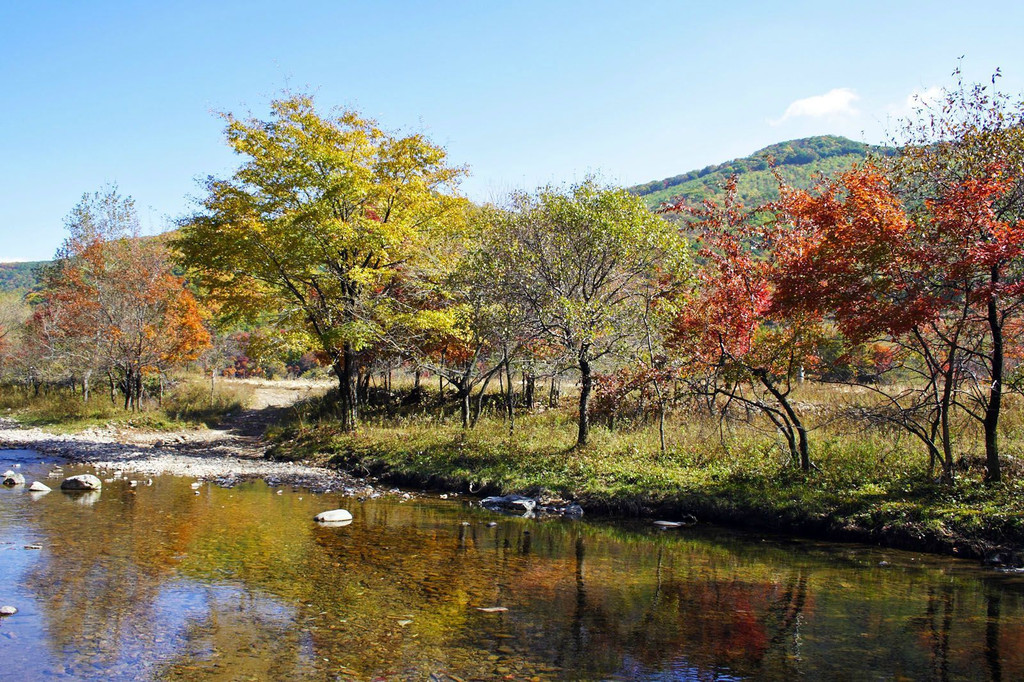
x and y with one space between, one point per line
321 224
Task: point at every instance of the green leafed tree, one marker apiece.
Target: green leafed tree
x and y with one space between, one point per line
581 263
320 226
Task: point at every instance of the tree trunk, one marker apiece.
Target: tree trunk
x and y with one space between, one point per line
138 390
347 375
128 383
464 402
586 384
85 385
803 451
947 437
995 396
531 390
510 406
363 386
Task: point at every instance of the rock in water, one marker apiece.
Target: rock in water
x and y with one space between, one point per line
12 479
81 482
510 504
333 516
686 520
573 511
8 610
38 487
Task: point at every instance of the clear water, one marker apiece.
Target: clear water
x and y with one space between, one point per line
240 584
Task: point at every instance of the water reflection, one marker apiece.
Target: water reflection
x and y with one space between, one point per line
160 583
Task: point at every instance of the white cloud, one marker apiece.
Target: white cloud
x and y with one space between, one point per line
918 99
835 102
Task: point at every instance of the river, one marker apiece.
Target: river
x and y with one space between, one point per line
165 582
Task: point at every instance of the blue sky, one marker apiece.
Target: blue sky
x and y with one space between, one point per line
524 93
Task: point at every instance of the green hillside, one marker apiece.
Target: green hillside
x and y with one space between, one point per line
799 162
15 276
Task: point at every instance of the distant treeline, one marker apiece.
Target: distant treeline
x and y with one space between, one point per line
15 276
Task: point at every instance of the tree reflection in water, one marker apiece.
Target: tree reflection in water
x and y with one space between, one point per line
240 584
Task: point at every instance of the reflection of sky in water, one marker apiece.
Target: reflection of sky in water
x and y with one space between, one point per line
191 613
19 634
678 670
161 583
147 636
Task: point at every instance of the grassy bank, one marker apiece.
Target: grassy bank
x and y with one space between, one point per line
870 485
187 404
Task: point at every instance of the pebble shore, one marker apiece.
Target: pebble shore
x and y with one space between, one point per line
205 455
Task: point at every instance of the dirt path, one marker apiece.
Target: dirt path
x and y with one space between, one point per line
270 403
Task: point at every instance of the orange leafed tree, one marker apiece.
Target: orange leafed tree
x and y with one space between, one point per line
922 280
734 326
113 302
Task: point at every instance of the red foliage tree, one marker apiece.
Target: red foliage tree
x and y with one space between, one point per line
931 282
736 325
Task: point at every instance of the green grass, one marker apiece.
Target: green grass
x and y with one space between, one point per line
869 485
186 405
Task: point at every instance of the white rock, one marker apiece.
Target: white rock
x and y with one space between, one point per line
13 479
81 482
333 516
8 610
38 487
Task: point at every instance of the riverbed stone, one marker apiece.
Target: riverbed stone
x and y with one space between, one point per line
333 516
38 487
8 610
81 482
510 504
573 511
12 479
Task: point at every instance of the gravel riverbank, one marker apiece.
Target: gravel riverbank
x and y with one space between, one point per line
203 454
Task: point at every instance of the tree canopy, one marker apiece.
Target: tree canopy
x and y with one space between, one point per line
323 221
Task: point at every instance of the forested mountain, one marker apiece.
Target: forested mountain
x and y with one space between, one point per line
18 275
799 162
